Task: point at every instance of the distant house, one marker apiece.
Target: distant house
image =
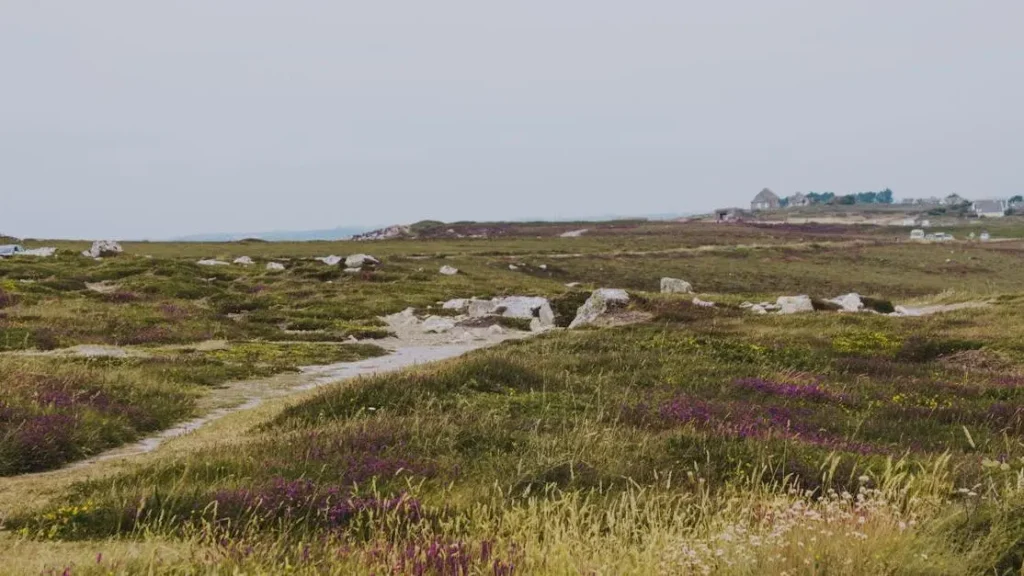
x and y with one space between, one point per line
990 208
10 250
765 200
799 199
953 200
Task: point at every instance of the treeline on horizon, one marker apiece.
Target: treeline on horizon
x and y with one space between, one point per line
881 197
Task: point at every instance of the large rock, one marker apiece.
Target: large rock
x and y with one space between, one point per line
675 286
599 302
477 308
103 249
849 302
360 261
244 261
794 304
331 260
438 324
449 271
275 266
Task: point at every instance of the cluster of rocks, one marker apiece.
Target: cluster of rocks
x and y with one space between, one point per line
103 249
783 305
803 303
353 264
536 309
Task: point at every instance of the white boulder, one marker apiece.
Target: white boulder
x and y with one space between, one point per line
521 306
702 303
244 261
448 271
794 304
331 260
360 260
675 286
103 248
477 308
598 303
849 302
275 266
353 270
758 309
212 262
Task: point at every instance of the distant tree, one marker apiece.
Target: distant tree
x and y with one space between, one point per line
848 200
820 197
1017 199
884 197
866 197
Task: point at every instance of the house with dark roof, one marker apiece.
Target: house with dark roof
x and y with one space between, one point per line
765 200
990 208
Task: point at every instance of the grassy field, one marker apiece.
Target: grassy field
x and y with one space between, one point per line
702 440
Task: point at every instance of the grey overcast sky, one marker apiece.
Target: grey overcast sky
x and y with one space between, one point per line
146 118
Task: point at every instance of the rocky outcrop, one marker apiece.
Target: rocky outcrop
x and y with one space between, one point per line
794 304
675 286
438 324
600 301
244 261
103 249
460 304
388 233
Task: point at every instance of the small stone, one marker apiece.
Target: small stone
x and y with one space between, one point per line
449 270
212 262
275 266
244 261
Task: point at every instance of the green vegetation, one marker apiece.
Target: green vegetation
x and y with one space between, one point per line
701 440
